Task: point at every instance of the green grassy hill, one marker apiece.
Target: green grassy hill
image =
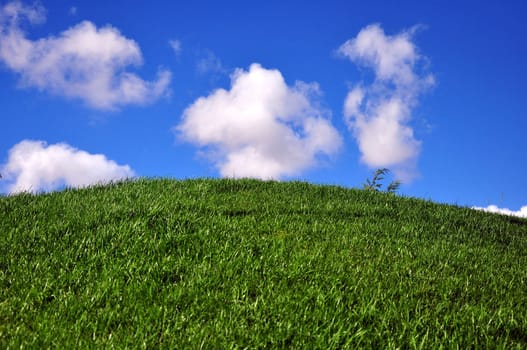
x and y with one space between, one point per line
248 264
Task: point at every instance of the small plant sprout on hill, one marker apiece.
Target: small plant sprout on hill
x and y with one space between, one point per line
375 183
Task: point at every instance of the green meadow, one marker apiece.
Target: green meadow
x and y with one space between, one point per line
211 264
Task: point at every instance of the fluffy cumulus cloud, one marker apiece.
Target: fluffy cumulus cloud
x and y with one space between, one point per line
379 114
261 127
35 166
522 213
83 62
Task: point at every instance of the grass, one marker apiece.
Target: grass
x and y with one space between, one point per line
249 264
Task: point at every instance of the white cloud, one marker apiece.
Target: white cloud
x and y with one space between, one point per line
391 57
260 127
35 166
177 46
522 213
378 115
83 62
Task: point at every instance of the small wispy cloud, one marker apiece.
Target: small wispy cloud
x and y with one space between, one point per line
209 63
522 213
176 46
83 62
379 114
35 166
73 11
261 127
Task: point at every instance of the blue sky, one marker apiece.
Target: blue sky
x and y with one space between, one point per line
324 92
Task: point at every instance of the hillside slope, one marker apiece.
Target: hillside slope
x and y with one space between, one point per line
244 263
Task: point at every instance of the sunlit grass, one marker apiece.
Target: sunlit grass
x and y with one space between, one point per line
244 263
